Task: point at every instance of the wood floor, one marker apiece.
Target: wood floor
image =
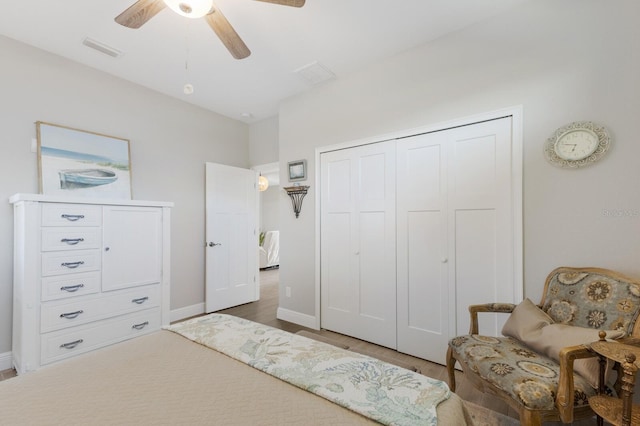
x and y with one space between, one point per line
264 312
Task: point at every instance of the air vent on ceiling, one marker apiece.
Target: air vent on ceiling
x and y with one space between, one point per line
315 73
101 47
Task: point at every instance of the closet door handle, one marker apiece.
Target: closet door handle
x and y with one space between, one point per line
71 288
71 315
72 217
140 300
72 265
72 241
71 345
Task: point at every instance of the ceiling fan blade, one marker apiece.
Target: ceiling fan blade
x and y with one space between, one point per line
227 34
292 3
139 13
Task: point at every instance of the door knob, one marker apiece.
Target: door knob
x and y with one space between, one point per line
214 244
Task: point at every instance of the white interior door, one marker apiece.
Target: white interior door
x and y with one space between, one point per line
423 271
358 247
231 237
455 233
481 229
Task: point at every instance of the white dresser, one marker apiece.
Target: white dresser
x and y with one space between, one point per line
87 273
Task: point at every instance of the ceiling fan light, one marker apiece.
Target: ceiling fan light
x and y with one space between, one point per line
190 8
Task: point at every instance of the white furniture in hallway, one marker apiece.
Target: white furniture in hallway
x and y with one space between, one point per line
269 252
87 273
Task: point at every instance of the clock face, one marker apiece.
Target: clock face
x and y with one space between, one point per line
576 144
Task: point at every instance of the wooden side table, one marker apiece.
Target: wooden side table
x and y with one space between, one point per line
617 411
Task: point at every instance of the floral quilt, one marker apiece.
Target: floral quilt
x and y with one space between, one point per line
383 392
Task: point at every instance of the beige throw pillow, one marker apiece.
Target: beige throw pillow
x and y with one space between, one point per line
525 319
533 327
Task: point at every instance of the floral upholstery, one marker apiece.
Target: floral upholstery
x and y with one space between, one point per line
585 298
526 376
592 300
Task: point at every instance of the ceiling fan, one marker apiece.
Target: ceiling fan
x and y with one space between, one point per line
143 10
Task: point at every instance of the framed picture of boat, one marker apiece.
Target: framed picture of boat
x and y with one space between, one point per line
79 163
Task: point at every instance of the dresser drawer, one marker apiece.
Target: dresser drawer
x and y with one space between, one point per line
70 342
64 262
63 314
71 215
70 238
65 286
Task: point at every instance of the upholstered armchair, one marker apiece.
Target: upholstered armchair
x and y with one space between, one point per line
543 366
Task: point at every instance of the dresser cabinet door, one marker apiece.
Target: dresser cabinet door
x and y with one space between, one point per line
132 247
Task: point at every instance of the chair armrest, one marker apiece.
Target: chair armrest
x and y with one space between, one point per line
566 395
487 307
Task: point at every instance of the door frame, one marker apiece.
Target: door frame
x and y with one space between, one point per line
516 112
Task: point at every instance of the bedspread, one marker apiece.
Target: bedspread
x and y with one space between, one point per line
383 392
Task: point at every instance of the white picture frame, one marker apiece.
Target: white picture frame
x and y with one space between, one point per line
297 170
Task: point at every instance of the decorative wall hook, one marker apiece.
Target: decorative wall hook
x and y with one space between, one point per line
297 194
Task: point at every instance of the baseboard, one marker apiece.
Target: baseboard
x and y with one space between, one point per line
304 320
6 361
186 312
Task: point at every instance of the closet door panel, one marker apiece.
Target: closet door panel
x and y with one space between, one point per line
480 221
358 242
374 290
425 310
475 260
338 294
422 250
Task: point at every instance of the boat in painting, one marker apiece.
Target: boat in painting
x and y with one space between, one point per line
79 178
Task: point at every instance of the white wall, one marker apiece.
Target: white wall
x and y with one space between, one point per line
263 141
263 150
170 141
562 61
269 208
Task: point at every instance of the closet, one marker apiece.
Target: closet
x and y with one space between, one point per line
415 229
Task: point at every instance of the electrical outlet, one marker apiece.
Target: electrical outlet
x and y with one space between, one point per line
287 291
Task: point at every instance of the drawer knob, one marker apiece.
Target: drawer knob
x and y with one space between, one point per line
140 326
72 217
72 265
72 241
71 288
140 300
71 315
71 345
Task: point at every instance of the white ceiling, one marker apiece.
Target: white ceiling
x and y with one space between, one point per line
342 35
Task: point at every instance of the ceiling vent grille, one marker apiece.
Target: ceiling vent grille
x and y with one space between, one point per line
102 48
314 73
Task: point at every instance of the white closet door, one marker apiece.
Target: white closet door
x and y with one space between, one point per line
423 295
455 233
358 250
481 223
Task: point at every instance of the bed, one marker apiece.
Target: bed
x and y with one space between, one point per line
211 370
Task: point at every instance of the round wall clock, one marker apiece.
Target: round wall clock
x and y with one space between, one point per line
577 144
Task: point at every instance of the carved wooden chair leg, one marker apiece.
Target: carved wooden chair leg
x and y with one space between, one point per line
451 363
530 418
